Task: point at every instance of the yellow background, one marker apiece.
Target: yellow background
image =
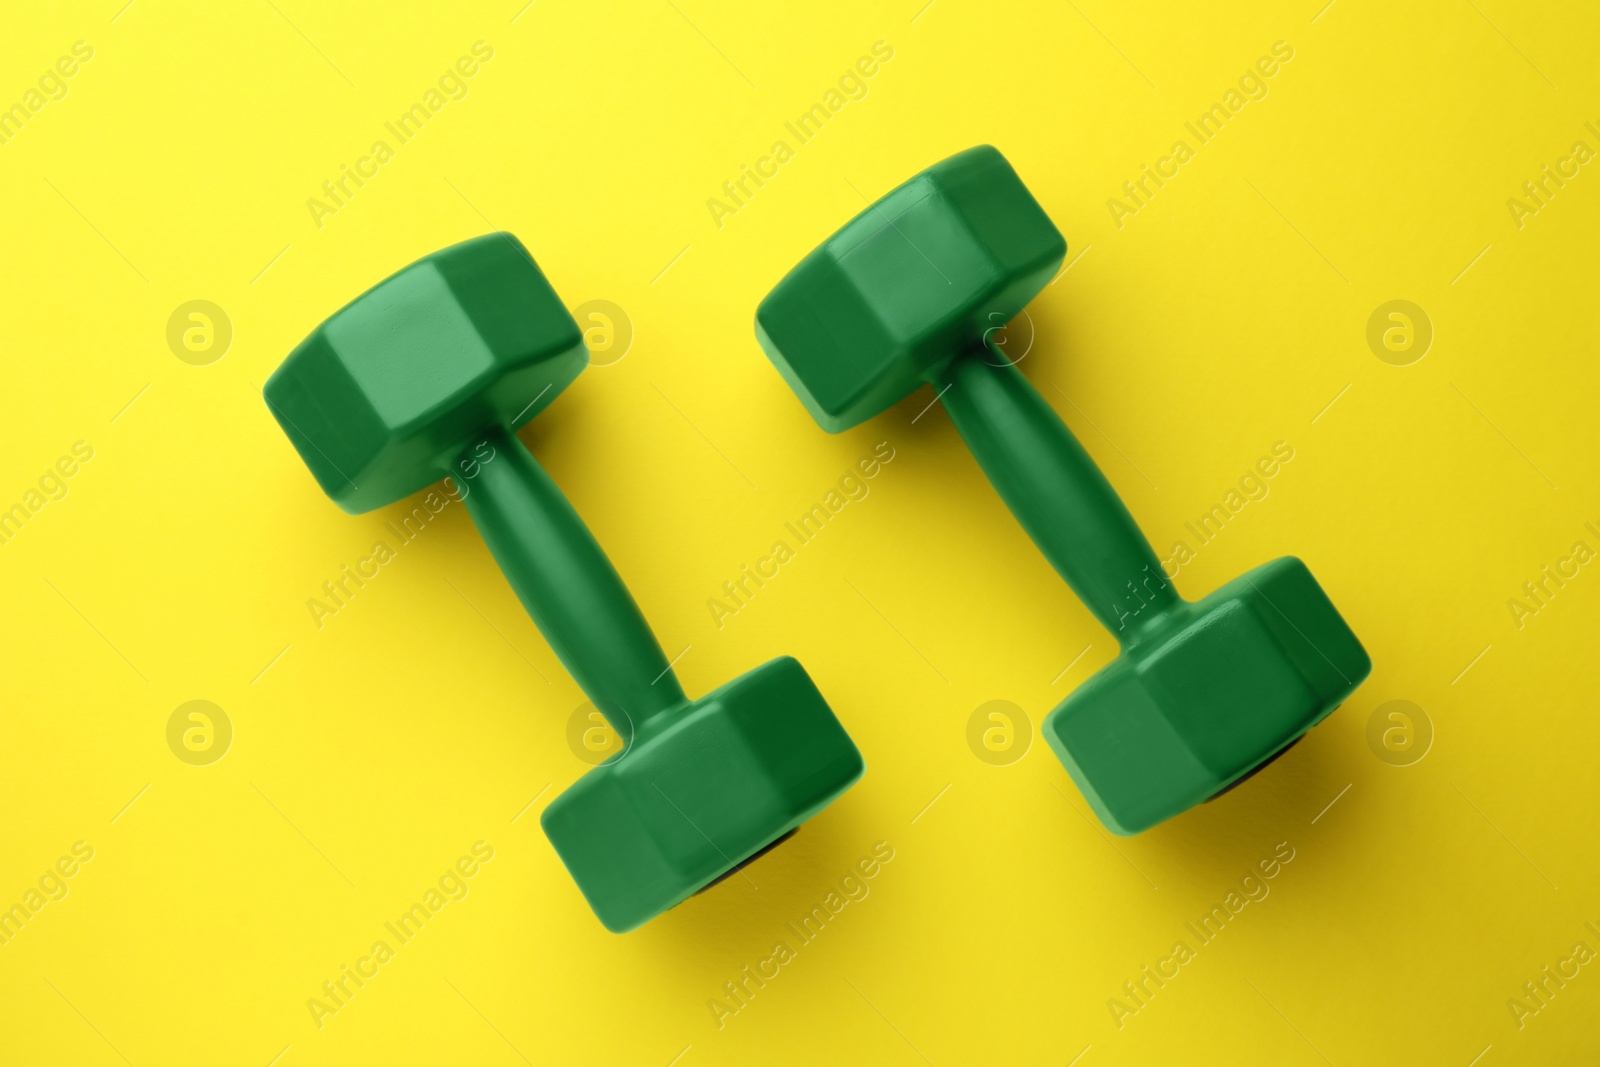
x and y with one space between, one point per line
1224 317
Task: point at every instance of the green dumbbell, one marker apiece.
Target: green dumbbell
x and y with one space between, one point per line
1203 694
428 374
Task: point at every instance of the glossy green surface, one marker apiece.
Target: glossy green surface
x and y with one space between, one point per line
1054 489
567 584
950 255
700 788
1207 693
397 382
906 294
426 375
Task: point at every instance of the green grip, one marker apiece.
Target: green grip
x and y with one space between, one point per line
1056 491
567 584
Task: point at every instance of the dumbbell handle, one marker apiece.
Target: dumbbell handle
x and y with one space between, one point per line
567 584
1056 492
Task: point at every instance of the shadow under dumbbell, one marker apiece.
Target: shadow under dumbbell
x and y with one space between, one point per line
737 867
430 374
927 287
1257 769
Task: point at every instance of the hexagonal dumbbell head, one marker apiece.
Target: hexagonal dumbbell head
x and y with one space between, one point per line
459 349
1203 694
691 801
1216 690
912 281
392 387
